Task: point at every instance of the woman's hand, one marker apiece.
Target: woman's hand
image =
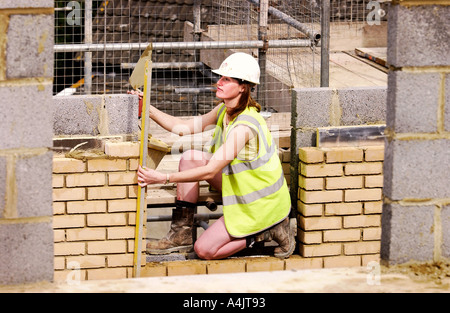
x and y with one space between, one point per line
148 176
138 93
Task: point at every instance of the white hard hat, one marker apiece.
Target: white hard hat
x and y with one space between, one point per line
240 65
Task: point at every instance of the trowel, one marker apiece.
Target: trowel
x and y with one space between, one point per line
137 78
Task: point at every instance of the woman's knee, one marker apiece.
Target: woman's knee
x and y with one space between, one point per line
191 159
202 251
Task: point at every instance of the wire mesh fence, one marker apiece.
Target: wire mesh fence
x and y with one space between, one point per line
182 78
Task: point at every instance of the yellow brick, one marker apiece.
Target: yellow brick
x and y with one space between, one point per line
341 235
373 181
366 247
88 261
111 219
325 249
373 207
110 192
310 237
67 165
126 232
68 221
367 258
310 183
154 269
69 275
320 223
356 221
132 191
372 233
76 207
57 181
343 208
362 194
311 155
69 248
122 178
363 168
310 209
321 170
68 194
123 205
347 182
59 235
85 179
107 273
117 260
296 262
375 153
59 208
344 154
107 247
342 261
193 267
122 149
59 263
226 266
321 196
106 165
264 264
85 234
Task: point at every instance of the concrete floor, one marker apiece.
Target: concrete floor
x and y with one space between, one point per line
336 280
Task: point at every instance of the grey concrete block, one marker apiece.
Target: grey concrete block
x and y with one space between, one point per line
407 233
409 165
29 49
122 113
26 253
414 99
34 184
363 105
77 115
311 107
12 4
26 116
3 162
95 115
445 220
418 35
447 103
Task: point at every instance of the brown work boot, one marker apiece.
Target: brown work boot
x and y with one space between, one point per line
179 237
282 234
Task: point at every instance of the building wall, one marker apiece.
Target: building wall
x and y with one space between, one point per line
26 71
416 214
94 205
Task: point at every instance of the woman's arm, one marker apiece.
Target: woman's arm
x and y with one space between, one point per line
236 140
181 126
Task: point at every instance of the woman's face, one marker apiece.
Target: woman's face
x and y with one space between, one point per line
228 89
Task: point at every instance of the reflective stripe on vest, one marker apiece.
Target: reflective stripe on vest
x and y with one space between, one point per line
254 192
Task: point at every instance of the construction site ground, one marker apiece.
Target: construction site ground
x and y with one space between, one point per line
406 278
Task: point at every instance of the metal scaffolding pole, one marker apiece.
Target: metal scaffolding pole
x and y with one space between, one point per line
325 46
88 54
250 44
314 36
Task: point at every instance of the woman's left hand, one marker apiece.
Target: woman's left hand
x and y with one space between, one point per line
148 176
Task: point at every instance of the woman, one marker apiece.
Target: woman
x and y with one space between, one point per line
242 163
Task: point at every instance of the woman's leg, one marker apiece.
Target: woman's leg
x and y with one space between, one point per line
215 243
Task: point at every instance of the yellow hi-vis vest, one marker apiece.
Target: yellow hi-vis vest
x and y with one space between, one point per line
255 195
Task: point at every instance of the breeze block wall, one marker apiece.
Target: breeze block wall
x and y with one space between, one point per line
340 204
94 204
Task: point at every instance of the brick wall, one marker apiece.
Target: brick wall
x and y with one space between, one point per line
340 204
94 203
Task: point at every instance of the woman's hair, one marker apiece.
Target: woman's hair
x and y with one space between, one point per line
245 100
